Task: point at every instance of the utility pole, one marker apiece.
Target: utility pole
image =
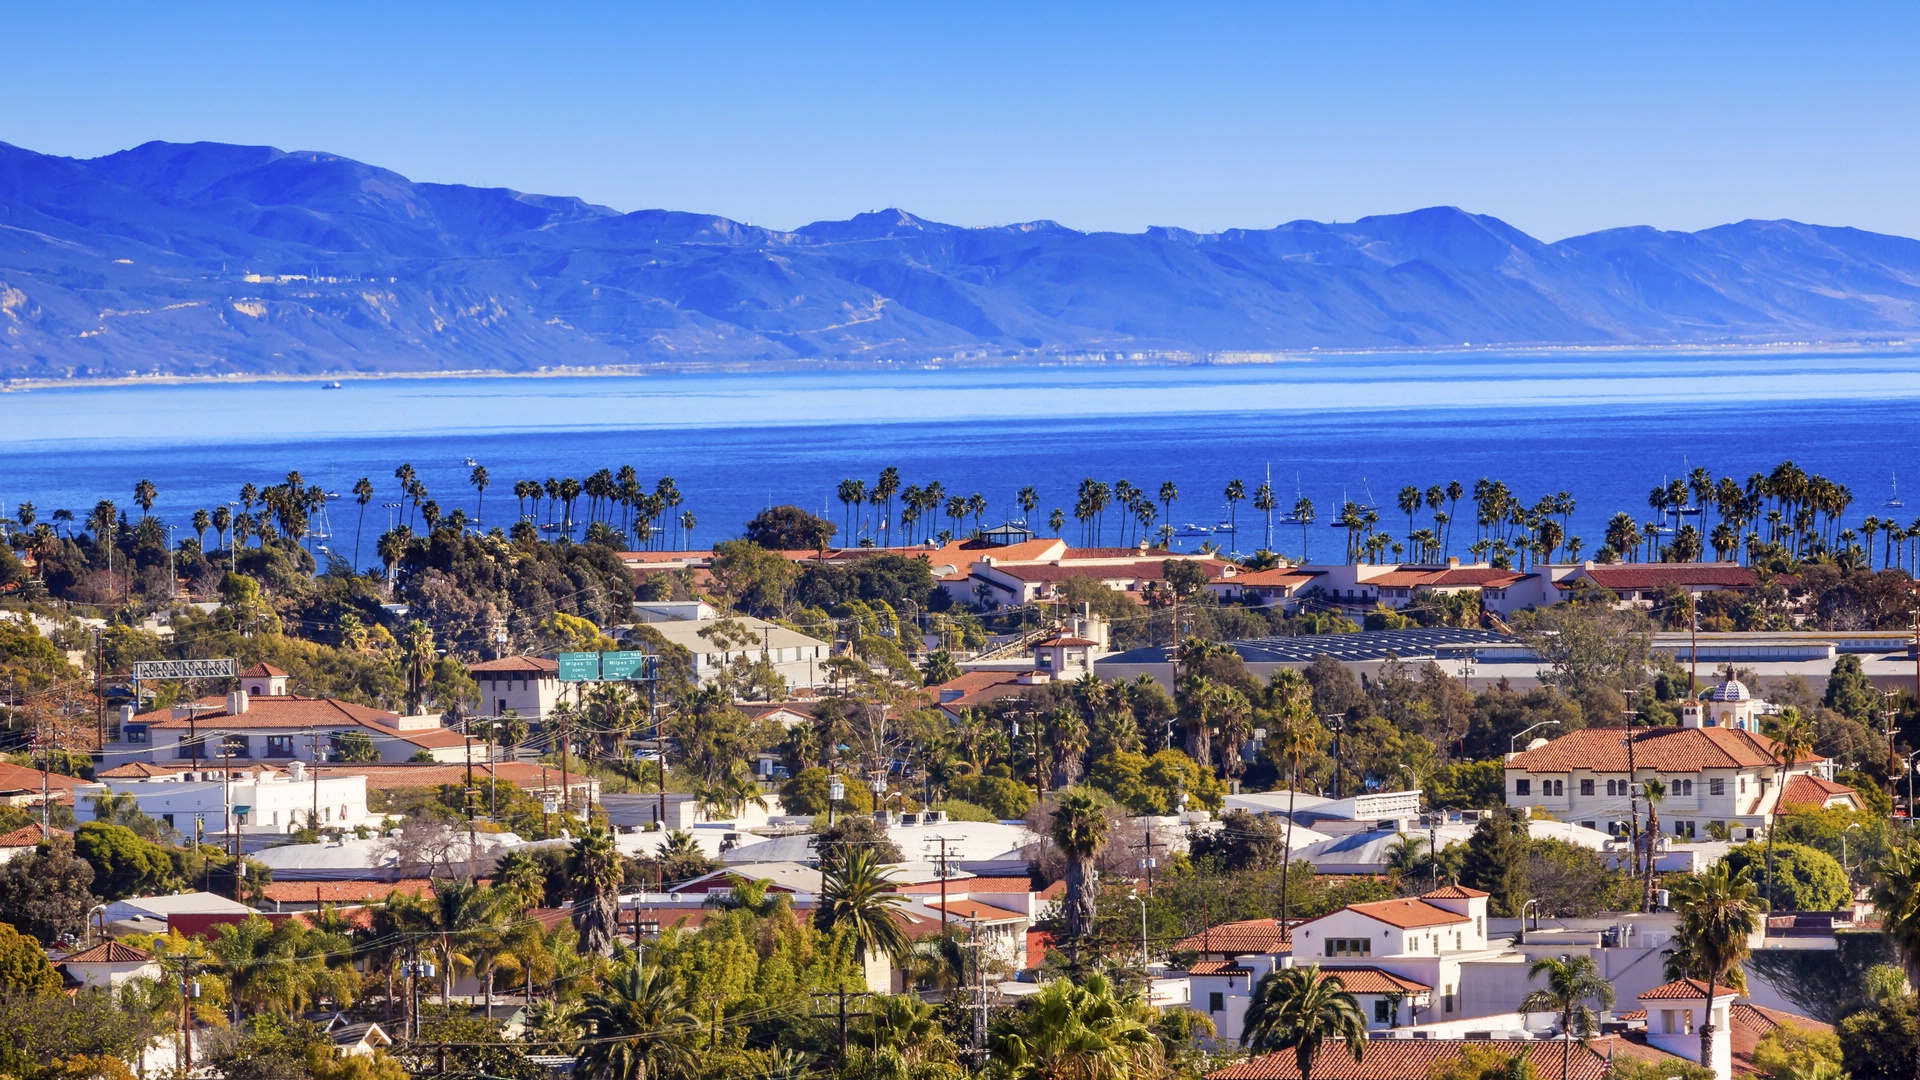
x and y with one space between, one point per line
1633 799
566 785
943 883
99 697
1149 862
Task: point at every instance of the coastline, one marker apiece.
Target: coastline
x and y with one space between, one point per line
1149 359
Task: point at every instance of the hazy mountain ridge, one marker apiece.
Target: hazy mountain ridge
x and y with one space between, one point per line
211 258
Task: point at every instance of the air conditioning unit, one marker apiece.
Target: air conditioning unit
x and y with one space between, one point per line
933 817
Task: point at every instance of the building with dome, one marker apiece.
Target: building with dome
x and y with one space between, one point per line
1717 768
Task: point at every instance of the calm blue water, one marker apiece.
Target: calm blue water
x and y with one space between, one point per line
1605 426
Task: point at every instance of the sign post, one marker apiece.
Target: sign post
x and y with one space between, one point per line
579 667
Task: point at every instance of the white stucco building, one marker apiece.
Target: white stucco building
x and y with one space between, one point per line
254 799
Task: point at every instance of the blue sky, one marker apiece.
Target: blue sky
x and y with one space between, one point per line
1559 118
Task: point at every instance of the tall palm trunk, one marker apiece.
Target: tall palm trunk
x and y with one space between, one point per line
1706 1028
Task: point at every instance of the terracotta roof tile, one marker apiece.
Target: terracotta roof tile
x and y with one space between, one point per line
1808 789
1453 892
344 892
518 663
109 952
263 671
1406 914
1278 576
1373 980
1662 749
1750 1023
20 778
27 836
1219 967
1238 938
421 774
986 886
1684 988
1412 1059
1676 575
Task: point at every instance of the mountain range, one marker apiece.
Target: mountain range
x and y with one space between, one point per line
208 258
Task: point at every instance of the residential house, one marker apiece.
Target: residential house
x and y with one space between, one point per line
1642 583
527 685
254 799
23 841
108 965
1720 773
21 786
795 657
279 727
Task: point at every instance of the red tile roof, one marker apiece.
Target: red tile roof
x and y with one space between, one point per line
1278 576
140 770
1406 914
1808 789
1750 1023
1662 749
1412 1059
1684 988
1632 577
1373 980
20 778
27 836
344 892
539 664
1137 570
263 671
1238 938
109 952
1453 892
277 711
1219 967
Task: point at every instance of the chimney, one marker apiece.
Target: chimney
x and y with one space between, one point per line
297 770
237 702
1453 562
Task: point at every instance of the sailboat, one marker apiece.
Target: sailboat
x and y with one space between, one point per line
1893 501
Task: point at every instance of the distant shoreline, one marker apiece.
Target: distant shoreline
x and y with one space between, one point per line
1168 359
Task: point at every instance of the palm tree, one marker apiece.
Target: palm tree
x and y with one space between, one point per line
1896 899
593 874
1079 831
1717 916
480 481
1655 793
857 893
1263 500
1291 699
1299 1009
416 643
1026 499
461 918
1083 1031
362 494
1571 983
642 1029
1236 491
144 494
1793 743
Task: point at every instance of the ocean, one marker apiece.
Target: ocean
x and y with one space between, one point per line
1603 425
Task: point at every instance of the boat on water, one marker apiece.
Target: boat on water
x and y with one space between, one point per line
1894 502
469 463
1190 529
334 385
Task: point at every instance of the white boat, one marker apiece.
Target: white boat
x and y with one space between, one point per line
1894 501
1190 529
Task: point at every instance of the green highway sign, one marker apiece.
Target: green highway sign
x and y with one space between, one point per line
623 665
603 667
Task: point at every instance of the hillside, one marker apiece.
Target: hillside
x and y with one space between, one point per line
209 258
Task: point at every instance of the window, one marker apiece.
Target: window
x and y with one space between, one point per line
1216 1001
239 746
1716 787
1743 785
1559 787
1613 787
1523 787
1586 787
279 746
1447 999
1382 1011
1339 946
135 733
1684 787
189 749
1589 824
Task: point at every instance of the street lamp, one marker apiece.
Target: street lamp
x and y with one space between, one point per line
1512 739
